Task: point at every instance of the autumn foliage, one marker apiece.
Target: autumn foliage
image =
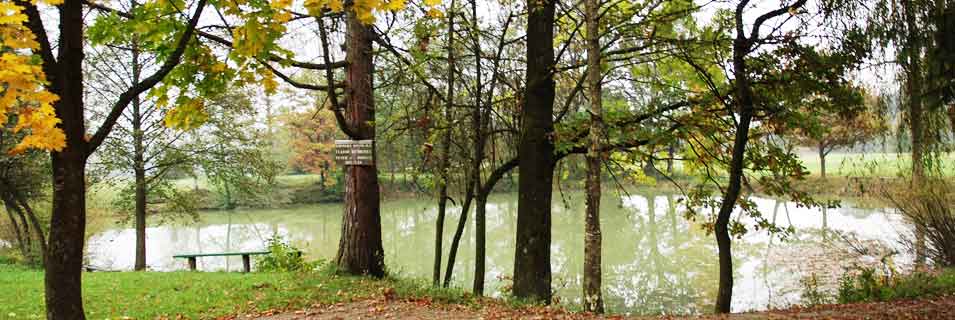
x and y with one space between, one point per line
23 95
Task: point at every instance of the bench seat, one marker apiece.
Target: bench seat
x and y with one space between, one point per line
246 260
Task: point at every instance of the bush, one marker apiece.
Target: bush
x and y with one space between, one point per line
813 294
932 215
868 285
283 257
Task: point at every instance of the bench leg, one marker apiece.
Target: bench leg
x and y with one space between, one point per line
246 265
192 263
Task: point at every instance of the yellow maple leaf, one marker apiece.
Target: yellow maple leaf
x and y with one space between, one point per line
336 5
435 13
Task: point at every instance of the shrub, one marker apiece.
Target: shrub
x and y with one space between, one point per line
813 294
932 215
283 257
869 285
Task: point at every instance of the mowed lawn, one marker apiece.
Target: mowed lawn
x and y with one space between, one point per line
870 164
198 295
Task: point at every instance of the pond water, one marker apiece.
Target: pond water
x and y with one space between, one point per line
654 260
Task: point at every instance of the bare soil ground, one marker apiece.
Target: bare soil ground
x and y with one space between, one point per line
385 308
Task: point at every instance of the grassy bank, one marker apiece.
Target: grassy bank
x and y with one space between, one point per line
201 295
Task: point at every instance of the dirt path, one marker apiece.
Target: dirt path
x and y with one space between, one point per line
929 309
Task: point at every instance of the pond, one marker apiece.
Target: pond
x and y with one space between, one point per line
655 261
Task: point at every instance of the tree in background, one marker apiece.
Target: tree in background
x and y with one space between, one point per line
313 143
834 130
139 159
23 180
232 153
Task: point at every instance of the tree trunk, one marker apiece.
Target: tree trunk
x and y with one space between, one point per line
532 271
480 210
822 162
442 209
139 168
445 157
480 242
23 238
34 222
913 72
479 125
744 104
64 256
671 151
593 299
360 250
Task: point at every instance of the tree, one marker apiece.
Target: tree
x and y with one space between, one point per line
836 130
532 273
360 250
145 149
313 142
593 299
64 70
22 180
761 89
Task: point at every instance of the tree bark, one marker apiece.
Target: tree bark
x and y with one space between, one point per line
139 166
360 250
593 299
445 157
33 220
744 105
913 85
822 161
532 270
64 256
23 239
478 123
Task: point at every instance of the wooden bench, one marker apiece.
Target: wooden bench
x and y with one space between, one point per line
246 261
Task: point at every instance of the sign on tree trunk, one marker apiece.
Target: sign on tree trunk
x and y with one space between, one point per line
355 152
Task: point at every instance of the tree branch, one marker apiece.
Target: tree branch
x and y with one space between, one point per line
147 83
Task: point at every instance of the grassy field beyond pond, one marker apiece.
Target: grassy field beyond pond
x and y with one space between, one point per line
198 295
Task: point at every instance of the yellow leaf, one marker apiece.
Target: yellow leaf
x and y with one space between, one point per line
435 13
280 4
335 5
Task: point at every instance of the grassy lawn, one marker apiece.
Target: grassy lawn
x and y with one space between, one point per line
199 295
869 164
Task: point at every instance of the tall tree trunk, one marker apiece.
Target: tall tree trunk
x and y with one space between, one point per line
914 87
27 210
671 151
472 178
478 124
139 167
480 209
445 156
532 271
442 207
480 242
744 104
593 299
64 256
822 161
23 239
360 250
458 233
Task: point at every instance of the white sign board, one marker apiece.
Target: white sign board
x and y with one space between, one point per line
355 152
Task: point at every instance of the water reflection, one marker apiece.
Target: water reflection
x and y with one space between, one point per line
655 261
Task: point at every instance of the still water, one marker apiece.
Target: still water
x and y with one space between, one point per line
654 260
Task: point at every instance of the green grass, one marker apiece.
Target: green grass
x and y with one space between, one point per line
871 164
201 295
